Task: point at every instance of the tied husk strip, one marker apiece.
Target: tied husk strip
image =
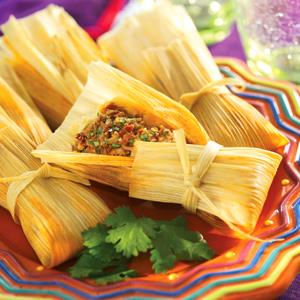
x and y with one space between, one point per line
180 63
57 49
19 183
233 189
214 87
110 170
52 212
22 114
226 118
108 86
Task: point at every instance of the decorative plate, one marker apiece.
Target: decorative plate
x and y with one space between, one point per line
245 269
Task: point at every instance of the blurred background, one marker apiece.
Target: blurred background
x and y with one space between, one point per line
265 33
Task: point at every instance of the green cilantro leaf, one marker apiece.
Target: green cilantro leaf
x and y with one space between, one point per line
86 266
120 273
106 252
103 272
100 260
94 261
122 216
109 246
129 234
95 236
162 256
173 242
179 227
194 251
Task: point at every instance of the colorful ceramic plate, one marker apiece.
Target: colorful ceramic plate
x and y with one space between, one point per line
245 269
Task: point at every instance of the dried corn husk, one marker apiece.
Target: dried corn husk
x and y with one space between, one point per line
226 186
52 211
50 53
9 75
176 61
12 106
106 86
158 25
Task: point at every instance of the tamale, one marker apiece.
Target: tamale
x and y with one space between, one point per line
224 185
109 87
176 61
19 111
52 212
50 53
9 75
52 207
154 26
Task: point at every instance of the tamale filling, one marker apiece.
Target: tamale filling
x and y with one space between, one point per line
115 131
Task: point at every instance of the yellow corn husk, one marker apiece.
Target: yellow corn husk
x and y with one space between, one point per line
9 75
229 191
106 85
13 106
153 27
228 120
50 53
52 212
177 62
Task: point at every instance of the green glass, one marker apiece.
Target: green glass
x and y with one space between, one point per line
213 19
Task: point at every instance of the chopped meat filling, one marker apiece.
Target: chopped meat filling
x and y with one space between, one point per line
115 131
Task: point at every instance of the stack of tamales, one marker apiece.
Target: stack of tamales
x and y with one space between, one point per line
226 186
229 186
161 46
52 205
50 53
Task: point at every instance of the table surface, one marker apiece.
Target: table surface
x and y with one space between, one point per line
88 17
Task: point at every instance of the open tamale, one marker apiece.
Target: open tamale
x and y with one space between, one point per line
113 112
176 61
50 53
52 205
224 185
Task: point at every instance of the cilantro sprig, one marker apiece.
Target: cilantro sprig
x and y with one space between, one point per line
130 235
99 260
109 247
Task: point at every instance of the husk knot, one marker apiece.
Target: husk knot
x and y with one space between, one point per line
193 175
216 87
19 183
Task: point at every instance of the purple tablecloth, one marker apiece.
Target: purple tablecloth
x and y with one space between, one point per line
87 12
231 46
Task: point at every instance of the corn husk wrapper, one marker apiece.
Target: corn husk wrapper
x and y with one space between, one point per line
177 62
50 53
12 79
52 211
21 112
124 45
233 185
106 85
